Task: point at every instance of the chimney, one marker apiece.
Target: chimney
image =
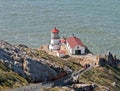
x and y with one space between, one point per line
73 35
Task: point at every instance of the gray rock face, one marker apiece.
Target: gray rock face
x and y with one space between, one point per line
111 59
38 72
17 59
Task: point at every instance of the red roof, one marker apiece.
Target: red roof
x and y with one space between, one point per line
61 51
63 40
74 41
55 30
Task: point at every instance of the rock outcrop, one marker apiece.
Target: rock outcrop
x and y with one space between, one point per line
109 59
21 60
84 87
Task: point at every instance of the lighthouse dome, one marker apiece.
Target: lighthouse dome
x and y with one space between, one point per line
55 30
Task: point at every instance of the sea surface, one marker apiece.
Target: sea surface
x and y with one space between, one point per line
95 22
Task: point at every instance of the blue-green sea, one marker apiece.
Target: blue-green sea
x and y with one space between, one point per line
95 22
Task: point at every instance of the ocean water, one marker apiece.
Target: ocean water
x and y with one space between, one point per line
95 22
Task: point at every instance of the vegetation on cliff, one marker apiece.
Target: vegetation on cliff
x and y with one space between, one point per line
59 61
104 77
10 79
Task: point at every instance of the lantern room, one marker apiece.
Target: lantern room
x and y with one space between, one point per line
55 33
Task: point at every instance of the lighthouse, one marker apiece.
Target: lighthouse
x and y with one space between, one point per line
55 40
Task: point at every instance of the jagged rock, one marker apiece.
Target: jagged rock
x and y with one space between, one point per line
87 51
84 87
109 59
102 62
22 46
4 44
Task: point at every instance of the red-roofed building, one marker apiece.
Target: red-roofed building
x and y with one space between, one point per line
61 53
75 46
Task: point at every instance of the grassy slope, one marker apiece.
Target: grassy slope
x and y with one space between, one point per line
43 55
103 76
57 89
70 63
9 79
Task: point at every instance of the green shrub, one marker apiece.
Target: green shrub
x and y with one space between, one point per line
102 76
9 79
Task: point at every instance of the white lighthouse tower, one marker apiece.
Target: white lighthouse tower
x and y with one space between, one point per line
55 40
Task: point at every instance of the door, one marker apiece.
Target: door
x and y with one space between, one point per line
77 52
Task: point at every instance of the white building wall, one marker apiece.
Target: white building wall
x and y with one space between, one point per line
60 54
70 50
55 41
73 51
54 47
67 44
83 51
55 35
79 48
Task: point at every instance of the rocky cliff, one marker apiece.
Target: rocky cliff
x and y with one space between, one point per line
26 62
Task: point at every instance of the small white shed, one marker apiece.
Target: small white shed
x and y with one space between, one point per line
61 53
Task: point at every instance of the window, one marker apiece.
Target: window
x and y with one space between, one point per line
78 47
